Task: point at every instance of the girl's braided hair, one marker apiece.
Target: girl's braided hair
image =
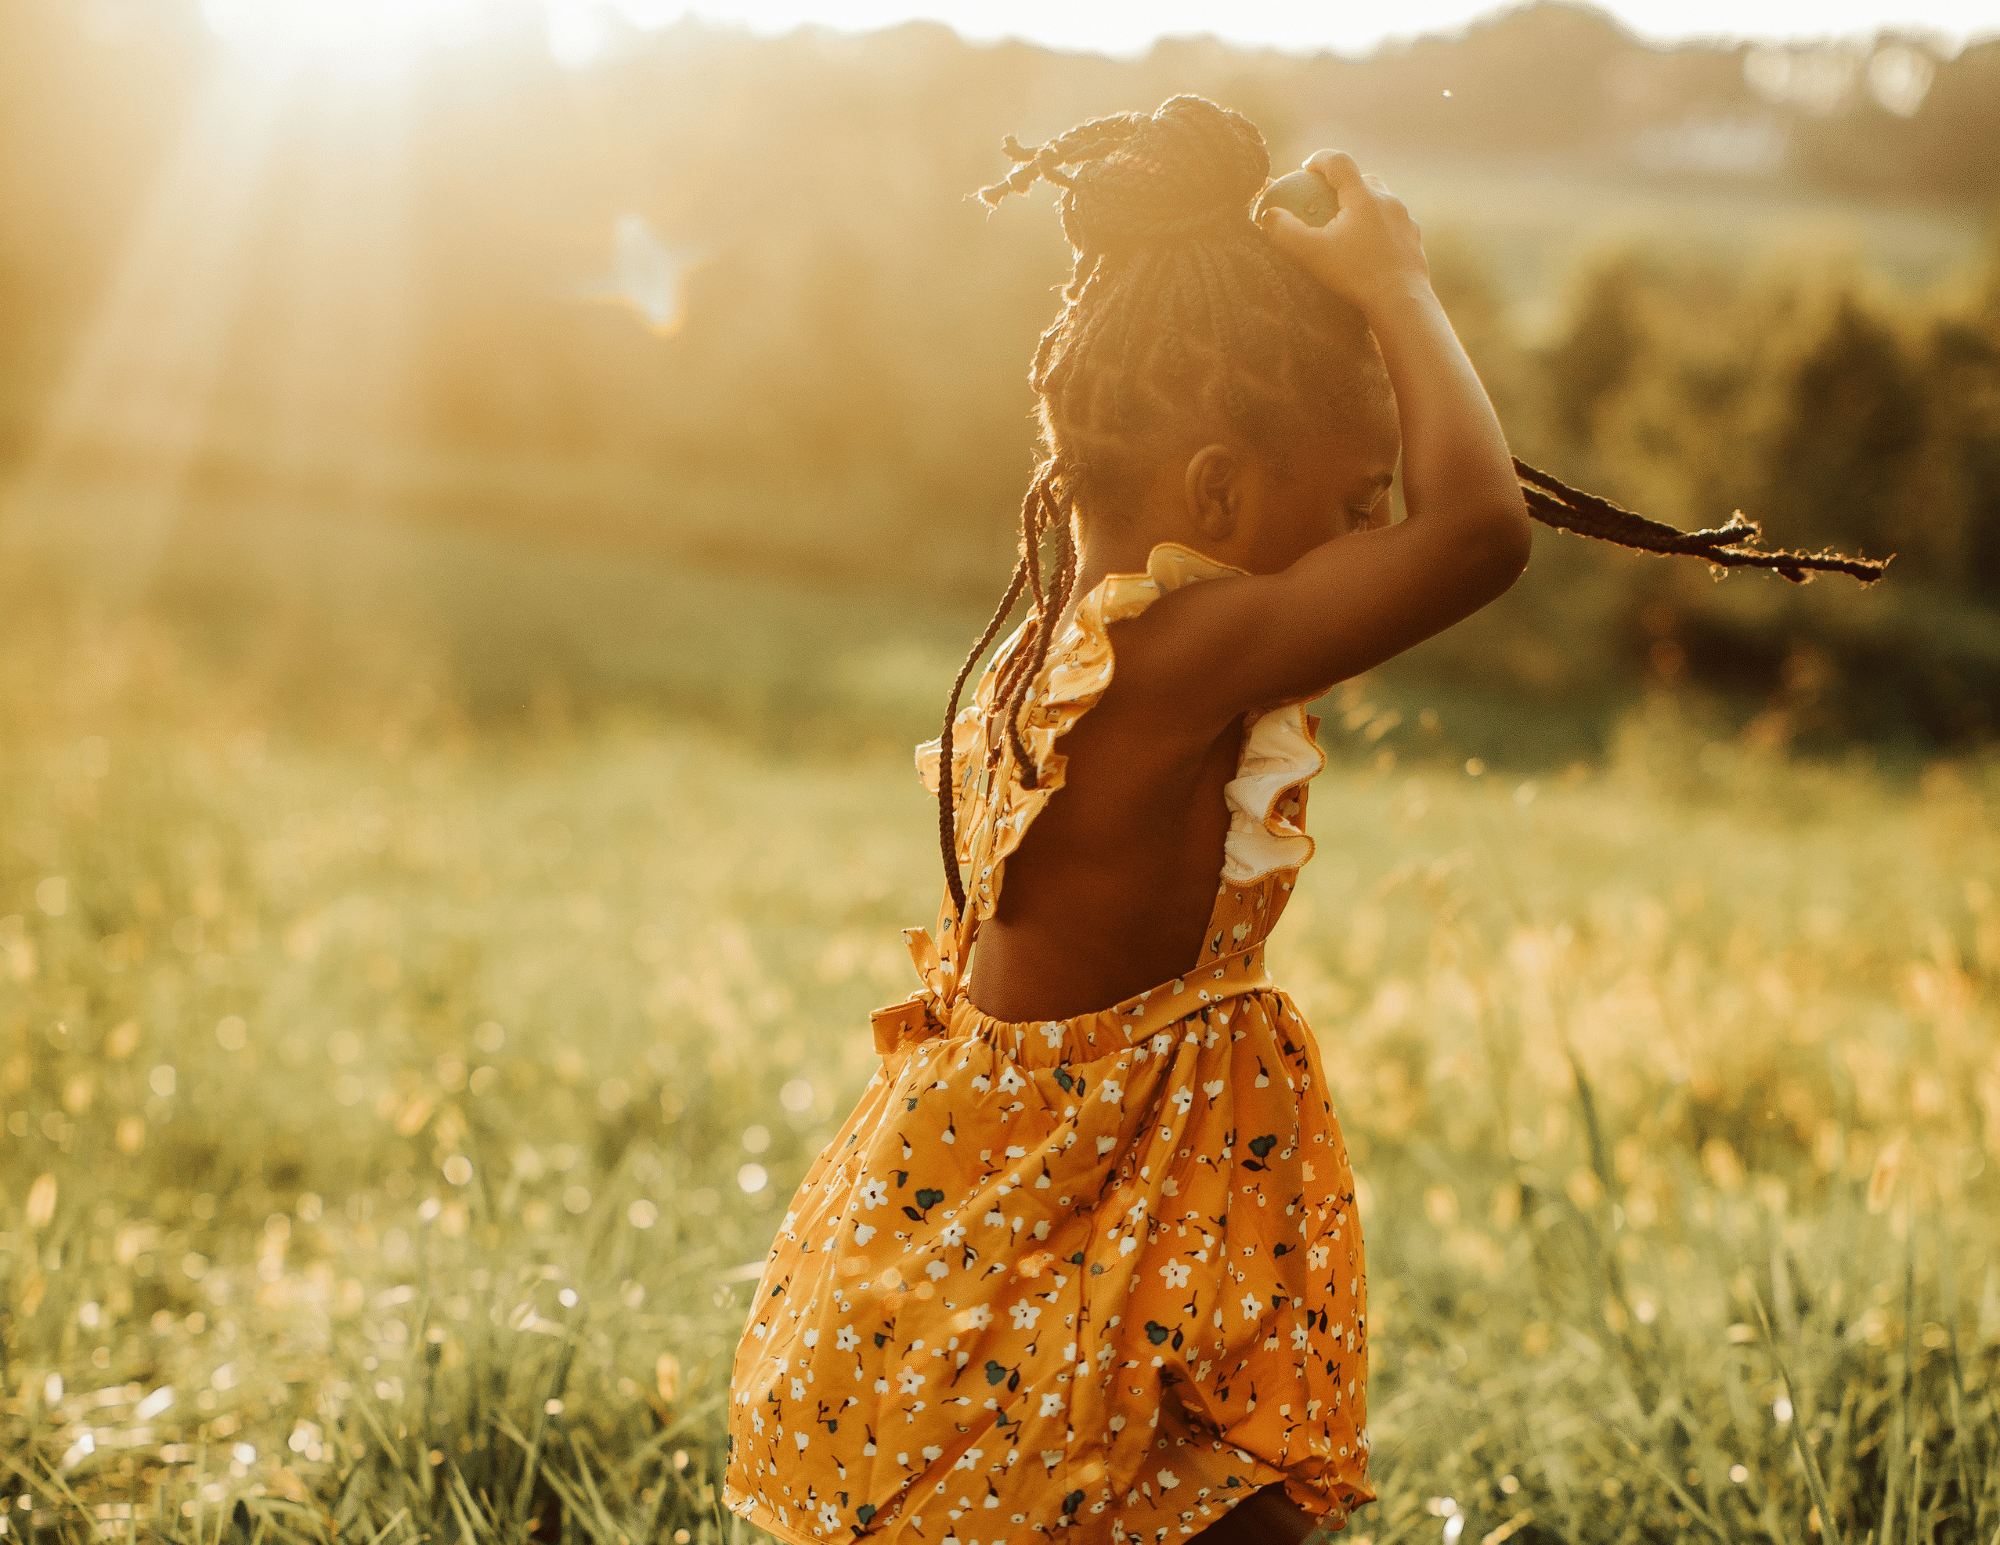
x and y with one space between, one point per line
1179 308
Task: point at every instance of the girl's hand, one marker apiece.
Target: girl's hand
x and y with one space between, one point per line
1370 251
1209 652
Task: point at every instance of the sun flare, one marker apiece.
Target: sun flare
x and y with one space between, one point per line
378 36
369 34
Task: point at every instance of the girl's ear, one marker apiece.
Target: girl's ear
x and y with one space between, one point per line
1214 491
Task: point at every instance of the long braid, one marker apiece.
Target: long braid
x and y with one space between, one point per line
1179 310
1730 546
947 778
1014 687
1045 627
1035 510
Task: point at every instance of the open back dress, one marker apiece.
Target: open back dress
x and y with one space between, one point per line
1098 1277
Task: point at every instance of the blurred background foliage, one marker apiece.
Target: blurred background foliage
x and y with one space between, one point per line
590 376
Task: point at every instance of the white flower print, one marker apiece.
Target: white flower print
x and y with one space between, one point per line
1175 1121
803 1439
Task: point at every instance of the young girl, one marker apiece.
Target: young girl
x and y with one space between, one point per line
1086 1256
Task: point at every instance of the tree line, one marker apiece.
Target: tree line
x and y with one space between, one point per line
728 296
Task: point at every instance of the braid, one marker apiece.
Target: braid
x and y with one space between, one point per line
947 778
1085 142
1032 526
1729 546
1044 624
1179 310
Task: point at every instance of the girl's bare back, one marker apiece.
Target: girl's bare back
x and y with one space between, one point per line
1111 887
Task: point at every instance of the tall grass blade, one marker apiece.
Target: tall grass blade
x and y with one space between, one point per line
1917 1495
1822 1498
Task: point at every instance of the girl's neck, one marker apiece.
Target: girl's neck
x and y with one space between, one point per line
1105 547
1119 542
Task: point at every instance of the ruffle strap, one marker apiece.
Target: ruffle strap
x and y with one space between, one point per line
1279 753
1266 797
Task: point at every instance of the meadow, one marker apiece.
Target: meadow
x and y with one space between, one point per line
476 548
398 1100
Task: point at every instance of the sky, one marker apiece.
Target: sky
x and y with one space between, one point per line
379 33
1347 26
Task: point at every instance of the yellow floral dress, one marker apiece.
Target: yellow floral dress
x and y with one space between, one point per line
1100 1275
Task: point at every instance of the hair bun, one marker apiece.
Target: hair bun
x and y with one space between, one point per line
1189 167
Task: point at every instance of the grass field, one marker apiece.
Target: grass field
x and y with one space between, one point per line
396 1108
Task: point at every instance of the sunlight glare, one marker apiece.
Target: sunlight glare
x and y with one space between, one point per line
146 369
368 35
577 31
381 37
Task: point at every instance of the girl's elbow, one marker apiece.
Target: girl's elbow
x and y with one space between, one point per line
1504 546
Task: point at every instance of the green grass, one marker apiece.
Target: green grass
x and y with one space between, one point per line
412 1098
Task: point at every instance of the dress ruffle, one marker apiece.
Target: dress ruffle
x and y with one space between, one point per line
1279 753
1102 1274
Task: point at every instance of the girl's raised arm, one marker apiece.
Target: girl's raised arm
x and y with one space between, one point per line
1351 602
